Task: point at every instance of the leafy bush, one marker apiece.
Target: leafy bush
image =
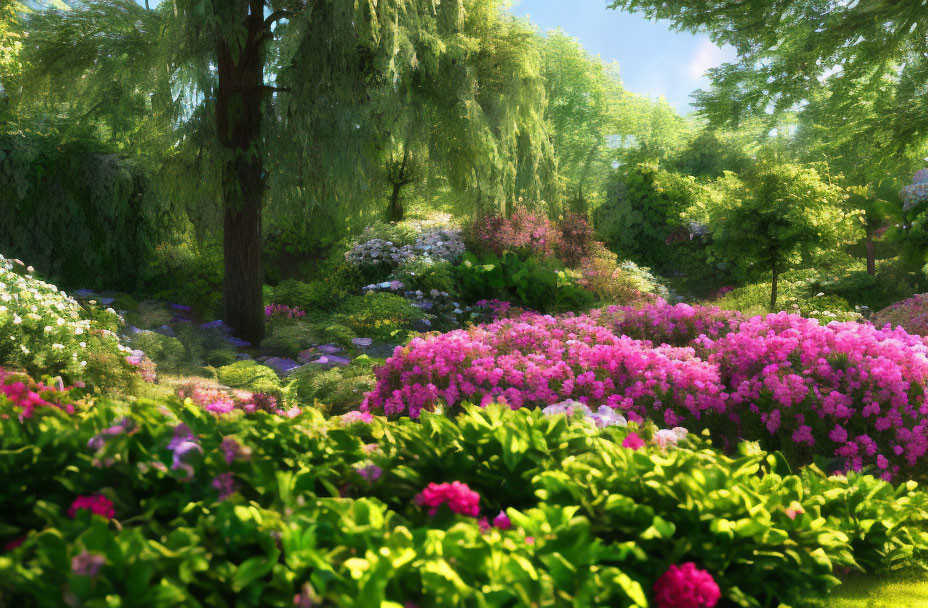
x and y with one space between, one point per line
601 275
251 376
186 272
169 353
795 295
575 240
383 316
315 295
534 283
425 274
172 505
45 332
287 338
335 390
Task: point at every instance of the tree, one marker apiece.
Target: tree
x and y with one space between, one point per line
775 216
588 113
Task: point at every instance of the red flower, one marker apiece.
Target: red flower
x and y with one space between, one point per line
95 504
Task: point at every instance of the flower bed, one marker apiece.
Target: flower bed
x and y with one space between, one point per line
910 314
845 391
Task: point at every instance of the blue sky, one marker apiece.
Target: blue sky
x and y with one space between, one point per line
653 60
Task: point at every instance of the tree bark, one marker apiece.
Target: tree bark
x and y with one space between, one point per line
395 212
238 118
871 260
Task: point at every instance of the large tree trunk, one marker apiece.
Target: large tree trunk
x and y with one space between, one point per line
238 119
871 260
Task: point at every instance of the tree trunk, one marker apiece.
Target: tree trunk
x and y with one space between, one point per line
395 212
773 286
238 120
871 260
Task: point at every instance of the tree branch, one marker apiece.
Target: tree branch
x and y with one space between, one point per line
271 89
277 16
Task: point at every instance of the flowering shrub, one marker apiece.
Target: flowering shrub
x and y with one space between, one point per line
604 278
911 315
43 331
686 586
677 325
389 246
526 233
24 395
575 239
283 311
458 497
539 360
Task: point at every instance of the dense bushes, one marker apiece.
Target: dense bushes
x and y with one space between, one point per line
45 332
910 314
253 510
846 392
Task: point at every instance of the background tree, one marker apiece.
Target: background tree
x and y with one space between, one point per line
776 216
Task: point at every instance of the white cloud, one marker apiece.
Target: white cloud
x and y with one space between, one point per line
706 56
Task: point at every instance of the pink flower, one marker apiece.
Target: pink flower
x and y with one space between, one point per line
685 586
225 484
458 496
633 442
95 503
87 564
794 510
502 521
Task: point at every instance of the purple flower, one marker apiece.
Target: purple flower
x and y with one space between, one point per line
233 450
183 445
370 472
225 484
87 564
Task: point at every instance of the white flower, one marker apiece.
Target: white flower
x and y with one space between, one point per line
78 331
17 319
5 297
83 345
60 321
48 328
58 346
83 364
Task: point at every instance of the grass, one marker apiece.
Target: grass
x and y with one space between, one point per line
907 589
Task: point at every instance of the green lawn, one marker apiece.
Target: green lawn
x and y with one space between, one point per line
903 590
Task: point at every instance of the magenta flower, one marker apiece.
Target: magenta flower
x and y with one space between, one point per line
225 484
685 586
95 503
633 442
502 521
458 496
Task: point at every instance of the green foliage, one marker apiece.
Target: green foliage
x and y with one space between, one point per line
425 274
169 353
382 316
251 376
186 272
594 524
319 294
541 285
335 390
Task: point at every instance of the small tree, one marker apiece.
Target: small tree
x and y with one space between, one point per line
776 217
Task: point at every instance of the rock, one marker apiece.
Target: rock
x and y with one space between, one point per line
166 330
237 342
107 301
282 366
329 349
131 330
307 355
85 294
243 357
362 342
217 324
326 360
422 325
180 307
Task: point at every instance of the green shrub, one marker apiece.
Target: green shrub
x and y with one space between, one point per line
336 390
288 337
593 523
425 274
382 316
169 353
249 375
315 295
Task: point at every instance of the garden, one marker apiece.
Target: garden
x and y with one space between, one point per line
411 304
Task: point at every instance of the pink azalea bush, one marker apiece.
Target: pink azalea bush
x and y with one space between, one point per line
847 391
686 586
537 360
458 496
25 394
663 323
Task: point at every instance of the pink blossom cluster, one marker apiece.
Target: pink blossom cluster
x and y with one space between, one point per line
283 311
95 503
686 586
663 323
846 390
28 395
524 232
147 368
458 496
538 360
911 315
498 308
576 239
220 401
856 391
